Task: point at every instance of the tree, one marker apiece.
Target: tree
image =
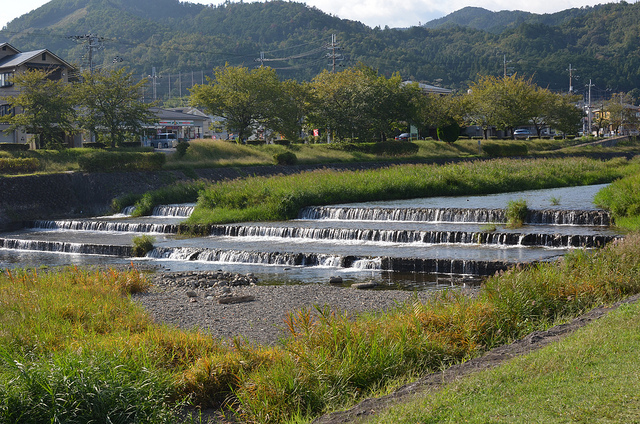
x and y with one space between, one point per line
358 103
246 98
44 108
294 102
619 111
111 106
564 114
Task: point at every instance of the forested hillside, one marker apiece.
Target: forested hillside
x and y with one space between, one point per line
190 40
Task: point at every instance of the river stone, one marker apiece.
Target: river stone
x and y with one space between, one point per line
227 300
335 280
364 286
192 294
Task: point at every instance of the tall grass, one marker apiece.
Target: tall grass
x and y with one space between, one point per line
281 197
76 349
622 198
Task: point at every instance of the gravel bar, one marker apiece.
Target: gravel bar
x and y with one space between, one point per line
229 306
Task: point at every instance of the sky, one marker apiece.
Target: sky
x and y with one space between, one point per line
394 13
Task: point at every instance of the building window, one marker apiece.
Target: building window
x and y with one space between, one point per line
5 79
6 110
44 56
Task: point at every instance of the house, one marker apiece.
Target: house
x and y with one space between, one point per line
12 62
184 125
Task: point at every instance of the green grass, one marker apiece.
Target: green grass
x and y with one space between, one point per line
591 376
281 197
622 198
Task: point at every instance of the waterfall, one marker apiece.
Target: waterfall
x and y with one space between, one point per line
65 247
454 215
112 226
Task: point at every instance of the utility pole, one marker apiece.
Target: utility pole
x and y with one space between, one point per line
589 107
335 57
92 42
154 77
571 78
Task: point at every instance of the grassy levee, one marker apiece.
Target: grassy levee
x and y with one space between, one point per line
73 338
281 197
590 376
622 198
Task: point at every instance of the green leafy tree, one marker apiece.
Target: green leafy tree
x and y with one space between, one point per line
44 107
620 113
358 103
111 106
438 111
564 114
246 98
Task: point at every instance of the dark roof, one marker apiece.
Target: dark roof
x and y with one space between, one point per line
166 114
21 58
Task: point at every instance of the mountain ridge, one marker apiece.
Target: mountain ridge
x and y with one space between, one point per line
295 39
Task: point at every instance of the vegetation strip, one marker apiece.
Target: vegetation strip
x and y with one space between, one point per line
282 197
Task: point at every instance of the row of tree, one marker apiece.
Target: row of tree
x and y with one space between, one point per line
356 104
105 103
361 105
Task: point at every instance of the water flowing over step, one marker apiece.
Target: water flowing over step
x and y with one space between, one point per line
104 225
176 211
461 215
413 236
66 247
416 265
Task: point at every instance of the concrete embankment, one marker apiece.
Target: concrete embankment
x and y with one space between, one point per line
77 194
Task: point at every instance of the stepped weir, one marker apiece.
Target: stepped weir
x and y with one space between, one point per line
361 239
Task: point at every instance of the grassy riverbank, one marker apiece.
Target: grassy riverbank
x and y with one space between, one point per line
72 339
591 376
281 197
209 153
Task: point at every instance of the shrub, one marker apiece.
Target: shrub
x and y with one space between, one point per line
94 145
256 142
18 165
516 213
505 149
282 142
571 137
14 147
101 161
389 148
142 245
449 133
181 149
286 158
557 137
131 144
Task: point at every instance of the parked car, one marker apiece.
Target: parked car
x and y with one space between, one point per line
403 136
522 133
164 140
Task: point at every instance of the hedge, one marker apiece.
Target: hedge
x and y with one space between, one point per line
13 147
121 161
505 149
389 148
19 165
